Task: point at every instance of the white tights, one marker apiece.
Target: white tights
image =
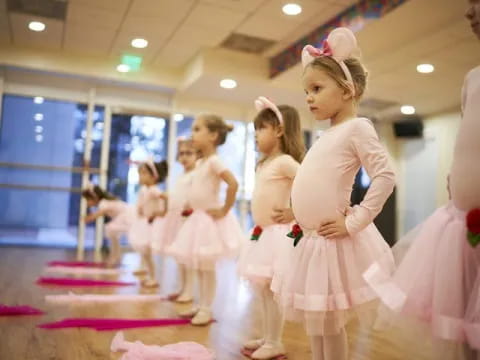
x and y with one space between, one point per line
207 284
272 317
330 347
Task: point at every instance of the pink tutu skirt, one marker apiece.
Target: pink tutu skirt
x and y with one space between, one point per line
323 285
437 280
158 239
472 317
120 224
263 258
180 351
173 221
201 240
142 233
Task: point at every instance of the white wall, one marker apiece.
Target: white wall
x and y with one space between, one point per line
422 166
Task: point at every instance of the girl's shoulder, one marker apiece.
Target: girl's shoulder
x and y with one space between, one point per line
473 73
360 126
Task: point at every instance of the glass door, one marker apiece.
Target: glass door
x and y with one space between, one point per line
133 139
43 146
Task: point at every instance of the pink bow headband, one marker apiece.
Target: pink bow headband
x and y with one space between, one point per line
150 164
264 103
340 45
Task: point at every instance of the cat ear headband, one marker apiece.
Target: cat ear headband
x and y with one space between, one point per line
264 103
340 45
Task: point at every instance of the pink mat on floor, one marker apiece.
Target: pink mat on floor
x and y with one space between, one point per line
19 310
72 298
180 351
81 282
77 264
101 324
83 270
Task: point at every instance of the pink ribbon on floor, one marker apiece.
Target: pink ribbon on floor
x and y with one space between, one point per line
19 310
81 282
80 270
179 351
72 298
101 324
76 264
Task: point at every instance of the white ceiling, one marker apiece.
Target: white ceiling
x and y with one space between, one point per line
179 31
175 29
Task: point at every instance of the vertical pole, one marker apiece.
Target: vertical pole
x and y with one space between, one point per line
87 155
103 181
172 143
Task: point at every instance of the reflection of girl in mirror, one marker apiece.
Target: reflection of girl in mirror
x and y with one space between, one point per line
211 231
148 221
119 213
177 200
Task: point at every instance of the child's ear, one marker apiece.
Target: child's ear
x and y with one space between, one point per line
214 136
280 131
347 94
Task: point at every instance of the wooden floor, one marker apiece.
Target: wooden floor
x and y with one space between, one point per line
234 304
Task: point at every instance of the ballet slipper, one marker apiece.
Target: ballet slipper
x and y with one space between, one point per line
267 352
189 313
203 317
253 344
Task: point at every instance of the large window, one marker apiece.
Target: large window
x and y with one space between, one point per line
134 138
40 141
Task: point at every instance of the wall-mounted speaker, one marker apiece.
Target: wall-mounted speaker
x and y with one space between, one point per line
409 127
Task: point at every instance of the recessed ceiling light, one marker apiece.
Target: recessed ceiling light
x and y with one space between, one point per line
228 84
38 100
291 9
38 117
139 43
123 68
178 117
407 110
38 129
36 26
425 68
39 138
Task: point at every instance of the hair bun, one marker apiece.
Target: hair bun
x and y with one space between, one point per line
163 165
230 127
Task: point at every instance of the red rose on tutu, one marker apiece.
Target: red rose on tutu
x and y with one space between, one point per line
187 212
296 233
473 226
257 231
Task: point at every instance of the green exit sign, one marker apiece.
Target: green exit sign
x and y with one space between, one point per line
133 61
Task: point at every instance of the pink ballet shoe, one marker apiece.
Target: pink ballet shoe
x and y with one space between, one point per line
139 272
173 297
248 354
253 344
184 299
190 313
150 284
269 352
202 318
